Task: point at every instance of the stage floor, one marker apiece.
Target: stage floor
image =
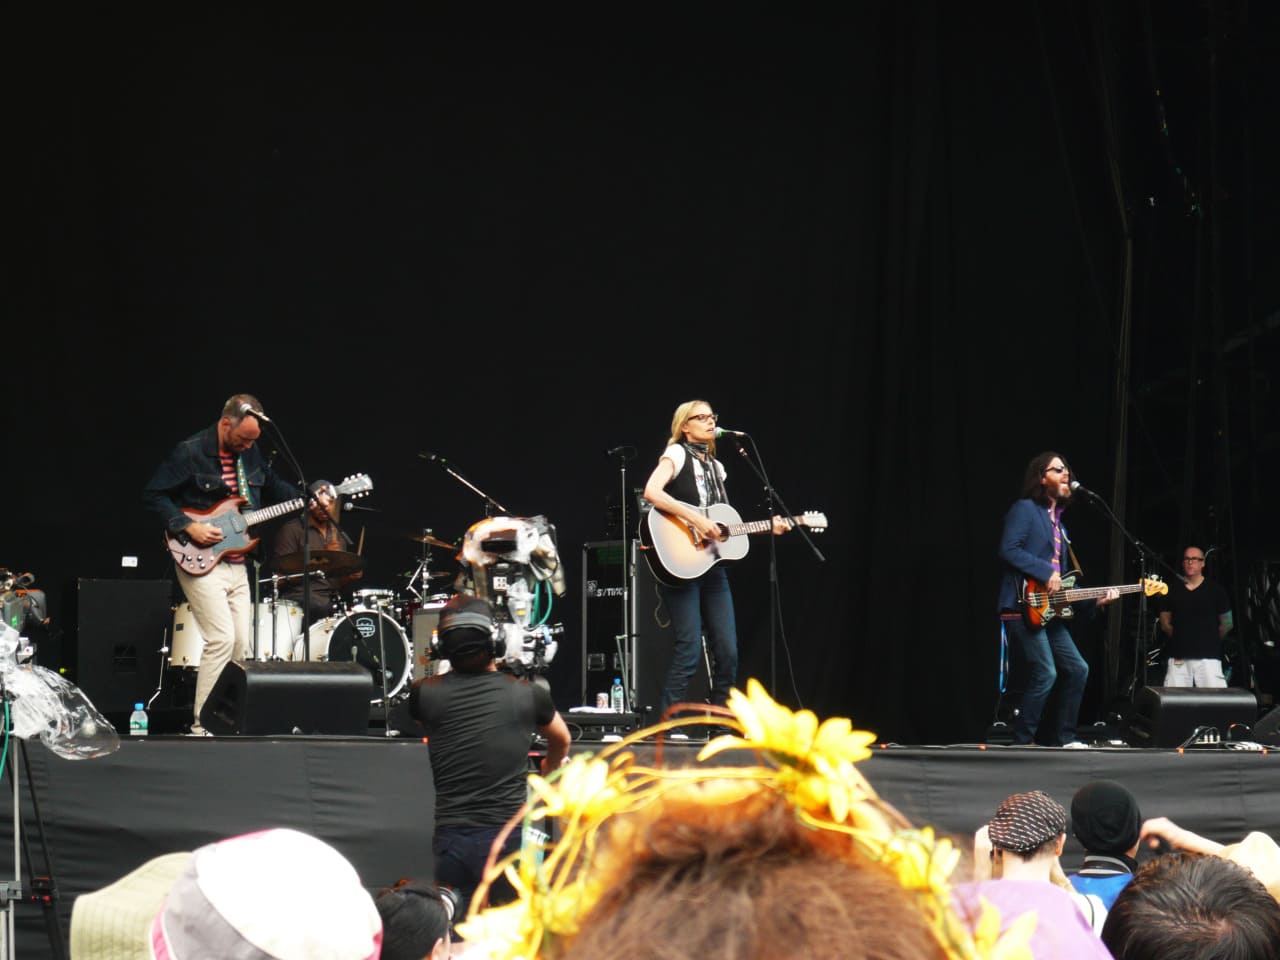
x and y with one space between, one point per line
371 797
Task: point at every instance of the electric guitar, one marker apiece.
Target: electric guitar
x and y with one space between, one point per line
1040 606
226 516
675 551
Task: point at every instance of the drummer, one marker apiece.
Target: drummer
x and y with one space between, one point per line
323 532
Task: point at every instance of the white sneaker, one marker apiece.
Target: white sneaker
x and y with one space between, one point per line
1075 745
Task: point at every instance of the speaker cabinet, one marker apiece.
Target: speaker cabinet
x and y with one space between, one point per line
604 573
1267 730
120 627
1168 716
262 698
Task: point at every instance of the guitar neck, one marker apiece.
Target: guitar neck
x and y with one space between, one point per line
751 526
1091 593
273 511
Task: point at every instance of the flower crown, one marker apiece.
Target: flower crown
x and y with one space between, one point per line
811 765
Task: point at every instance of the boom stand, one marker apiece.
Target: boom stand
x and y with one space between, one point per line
771 497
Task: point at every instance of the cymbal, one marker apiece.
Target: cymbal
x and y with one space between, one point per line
332 563
433 541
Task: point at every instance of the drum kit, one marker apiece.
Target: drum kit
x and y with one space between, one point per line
373 621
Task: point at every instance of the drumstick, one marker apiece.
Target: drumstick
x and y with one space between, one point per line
360 545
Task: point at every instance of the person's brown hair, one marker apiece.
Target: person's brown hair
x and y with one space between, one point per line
745 880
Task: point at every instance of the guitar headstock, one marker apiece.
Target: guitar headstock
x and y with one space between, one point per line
1153 585
356 485
817 522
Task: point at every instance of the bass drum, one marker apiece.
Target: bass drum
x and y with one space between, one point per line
354 637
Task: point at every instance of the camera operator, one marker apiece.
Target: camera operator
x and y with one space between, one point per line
479 722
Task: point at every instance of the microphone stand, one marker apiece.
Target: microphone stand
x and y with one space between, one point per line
626 641
489 502
1145 554
307 498
772 496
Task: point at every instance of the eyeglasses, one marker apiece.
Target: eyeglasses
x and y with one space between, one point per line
1193 559
706 417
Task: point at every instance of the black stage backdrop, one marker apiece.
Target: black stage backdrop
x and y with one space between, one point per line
888 241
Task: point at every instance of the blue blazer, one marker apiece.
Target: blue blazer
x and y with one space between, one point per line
1026 550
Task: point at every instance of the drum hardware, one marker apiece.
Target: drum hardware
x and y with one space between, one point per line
332 563
371 637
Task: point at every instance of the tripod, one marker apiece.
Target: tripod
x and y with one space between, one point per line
39 889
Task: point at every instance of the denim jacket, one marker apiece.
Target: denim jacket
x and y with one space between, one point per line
191 477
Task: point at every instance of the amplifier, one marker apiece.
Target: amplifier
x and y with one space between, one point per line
596 725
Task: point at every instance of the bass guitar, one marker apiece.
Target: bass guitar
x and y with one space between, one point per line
226 516
675 551
1040 606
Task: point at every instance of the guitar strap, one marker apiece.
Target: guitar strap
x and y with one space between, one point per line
243 481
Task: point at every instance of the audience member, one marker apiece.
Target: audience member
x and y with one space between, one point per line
1106 820
276 894
791 854
1023 842
1193 906
416 920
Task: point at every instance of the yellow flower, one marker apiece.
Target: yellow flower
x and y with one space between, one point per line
580 788
792 738
920 861
1014 944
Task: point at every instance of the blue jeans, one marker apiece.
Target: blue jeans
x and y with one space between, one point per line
705 606
461 853
1047 655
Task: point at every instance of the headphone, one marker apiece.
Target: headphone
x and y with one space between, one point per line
465 613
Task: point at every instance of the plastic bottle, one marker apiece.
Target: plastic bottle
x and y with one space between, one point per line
618 696
138 721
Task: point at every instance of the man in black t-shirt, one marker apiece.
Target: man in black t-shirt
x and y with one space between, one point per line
479 724
1195 616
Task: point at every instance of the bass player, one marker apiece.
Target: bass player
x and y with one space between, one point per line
218 462
1034 545
688 477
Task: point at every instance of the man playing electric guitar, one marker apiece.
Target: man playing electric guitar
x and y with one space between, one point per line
688 475
1034 545
203 470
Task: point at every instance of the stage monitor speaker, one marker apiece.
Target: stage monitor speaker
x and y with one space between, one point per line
120 627
1267 730
254 698
654 641
1169 716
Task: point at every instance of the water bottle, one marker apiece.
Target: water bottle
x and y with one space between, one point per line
138 721
618 696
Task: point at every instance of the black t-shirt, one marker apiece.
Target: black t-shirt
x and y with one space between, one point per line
1195 620
479 730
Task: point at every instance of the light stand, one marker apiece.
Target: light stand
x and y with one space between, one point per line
41 890
772 497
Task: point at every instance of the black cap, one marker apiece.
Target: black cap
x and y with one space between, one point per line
1105 817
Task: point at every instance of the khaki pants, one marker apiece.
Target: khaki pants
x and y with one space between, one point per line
222 605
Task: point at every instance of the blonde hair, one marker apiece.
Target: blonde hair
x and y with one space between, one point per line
681 417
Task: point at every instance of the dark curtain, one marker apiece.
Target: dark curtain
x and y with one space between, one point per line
885 240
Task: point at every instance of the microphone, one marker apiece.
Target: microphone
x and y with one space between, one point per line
623 448
348 505
1078 487
722 432
247 408
428 455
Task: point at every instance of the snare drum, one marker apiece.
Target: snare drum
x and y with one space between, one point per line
188 641
355 638
278 636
